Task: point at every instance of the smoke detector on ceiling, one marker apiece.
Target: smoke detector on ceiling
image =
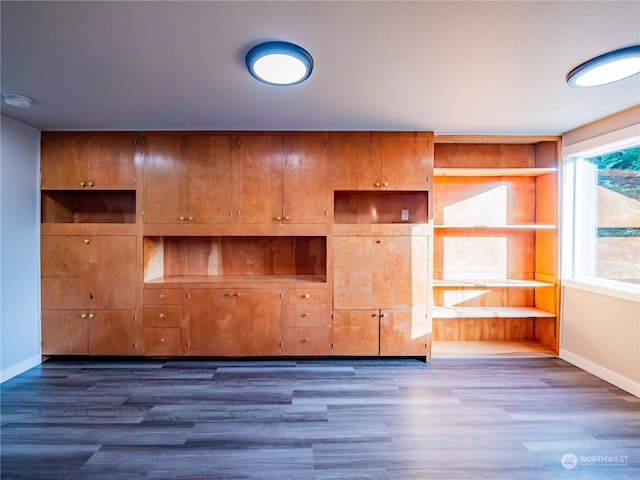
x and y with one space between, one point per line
16 100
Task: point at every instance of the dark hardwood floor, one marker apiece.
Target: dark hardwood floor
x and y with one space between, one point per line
317 419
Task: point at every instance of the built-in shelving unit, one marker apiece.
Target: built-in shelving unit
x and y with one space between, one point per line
495 245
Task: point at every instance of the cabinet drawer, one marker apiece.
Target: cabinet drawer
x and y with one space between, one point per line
162 296
306 316
305 341
305 296
162 316
162 341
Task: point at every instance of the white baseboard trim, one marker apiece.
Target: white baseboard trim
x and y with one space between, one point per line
17 369
602 372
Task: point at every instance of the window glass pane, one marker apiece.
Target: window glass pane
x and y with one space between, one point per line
617 222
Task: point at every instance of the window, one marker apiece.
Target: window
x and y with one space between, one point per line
601 201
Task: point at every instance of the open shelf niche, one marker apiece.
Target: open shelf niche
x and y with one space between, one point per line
218 259
95 206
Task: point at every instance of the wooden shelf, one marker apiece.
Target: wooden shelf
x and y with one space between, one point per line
490 283
491 172
531 226
488 348
235 279
490 312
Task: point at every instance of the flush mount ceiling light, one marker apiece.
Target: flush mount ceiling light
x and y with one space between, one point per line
16 100
607 68
279 63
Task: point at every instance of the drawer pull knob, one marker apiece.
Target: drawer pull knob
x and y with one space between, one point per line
278 218
91 184
307 339
87 241
191 218
162 296
386 184
306 296
378 184
91 315
306 314
162 340
161 315
82 184
182 218
84 315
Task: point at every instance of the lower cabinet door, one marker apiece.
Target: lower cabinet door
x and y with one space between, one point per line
356 332
112 332
162 341
65 332
403 332
258 322
211 321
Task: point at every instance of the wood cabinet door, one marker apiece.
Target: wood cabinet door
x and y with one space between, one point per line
63 164
260 164
391 282
113 274
403 332
406 161
111 161
372 272
88 161
356 332
356 160
66 270
210 187
304 196
258 322
112 332
65 332
212 321
354 270
165 185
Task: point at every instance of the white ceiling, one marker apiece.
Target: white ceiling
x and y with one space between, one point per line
452 67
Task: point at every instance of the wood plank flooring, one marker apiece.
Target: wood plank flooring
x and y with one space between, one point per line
322 419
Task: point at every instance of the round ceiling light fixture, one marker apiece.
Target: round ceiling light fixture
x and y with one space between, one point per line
279 63
16 100
607 68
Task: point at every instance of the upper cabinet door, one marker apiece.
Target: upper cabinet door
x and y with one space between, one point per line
165 186
407 161
88 161
210 186
356 160
304 195
381 160
260 164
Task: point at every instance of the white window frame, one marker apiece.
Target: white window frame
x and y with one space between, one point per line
573 251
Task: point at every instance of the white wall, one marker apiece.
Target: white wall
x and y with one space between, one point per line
19 248
600 330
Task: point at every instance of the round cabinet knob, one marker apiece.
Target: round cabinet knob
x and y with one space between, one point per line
386 184
162 296
306 295
306 314
278 219
87 241
161 315
238 294
91 315
381 315
286 218
91 184
377 184
306 339
82 184
191 218
84 315
162 340
182 218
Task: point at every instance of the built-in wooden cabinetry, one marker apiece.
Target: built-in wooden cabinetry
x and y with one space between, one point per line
294 243
495 244
89 244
